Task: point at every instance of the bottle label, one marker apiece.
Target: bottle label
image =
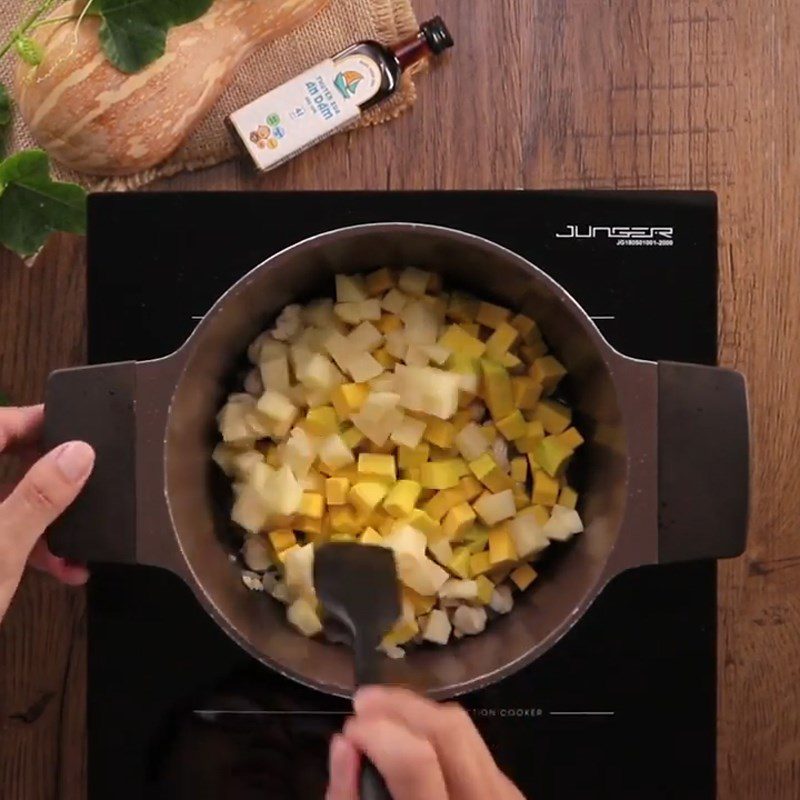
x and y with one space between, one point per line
315 104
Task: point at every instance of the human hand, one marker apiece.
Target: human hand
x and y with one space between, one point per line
424 751
51 483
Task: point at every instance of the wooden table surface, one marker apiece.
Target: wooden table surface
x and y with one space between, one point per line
687 94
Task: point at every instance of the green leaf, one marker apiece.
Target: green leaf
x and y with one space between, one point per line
29 51
134 32
5 117
32 205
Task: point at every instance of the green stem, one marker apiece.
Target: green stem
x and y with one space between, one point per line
37 12
52 21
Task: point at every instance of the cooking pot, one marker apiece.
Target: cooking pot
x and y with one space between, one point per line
663 475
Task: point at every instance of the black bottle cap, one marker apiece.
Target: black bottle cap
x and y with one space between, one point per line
436 34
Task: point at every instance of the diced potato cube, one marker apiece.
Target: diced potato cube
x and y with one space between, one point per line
233 425
502 602
304 617
547 371
458 519
366 336
480 562
371 536
311 505
275 373
348 312
394 301
469 620
485 590
534 433
436 353
497 389
350 289
440 474
298 563
571 438
409 457
489 431
362 367
501 545
377 467
402 498
494 508
334 453
526 392
568 497
437 628
366 496
545 488
255 554
563 523
283 492
282 539
409 433
413 281
458 341
501 341
460 563
519 469
459 589
471 442
440 432
277 407
513 426
427 389
523 576
492 316
555 417
379 281
370 309
552 455
421 324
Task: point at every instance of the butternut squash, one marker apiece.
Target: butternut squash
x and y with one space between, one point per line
95 119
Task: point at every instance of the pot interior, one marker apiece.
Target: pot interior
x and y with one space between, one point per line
199 501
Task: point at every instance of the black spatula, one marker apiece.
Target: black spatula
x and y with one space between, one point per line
357 585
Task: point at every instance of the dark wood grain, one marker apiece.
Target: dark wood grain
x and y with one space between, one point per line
540 93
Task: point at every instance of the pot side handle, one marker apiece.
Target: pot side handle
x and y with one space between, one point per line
703 462
97 405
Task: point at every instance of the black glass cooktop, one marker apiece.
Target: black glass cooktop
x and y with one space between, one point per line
623 707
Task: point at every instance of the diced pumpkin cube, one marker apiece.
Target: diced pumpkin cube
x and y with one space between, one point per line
352 437
439 547
410 474
312 505
382 356
491 315
462 307
485 590
545 489
424 523
371 536
459 565
555 417
440 474
494 508
534 433
526 392
379 281
519 469
457 520
457 340
421 604
480 562
310 526
528 329
347 398
461 419
403 631
568 497
501 545
521 497
530 352
388 323
473 329
343 521
497 389
510 361
552 455
571 438
513 426
440 432
402 498
488 472
438 506
321 421
282 539
408 457
547 371
489 430
366 496
377 466
523 576
501 341
471 487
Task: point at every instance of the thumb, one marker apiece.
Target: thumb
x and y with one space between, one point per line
47 489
